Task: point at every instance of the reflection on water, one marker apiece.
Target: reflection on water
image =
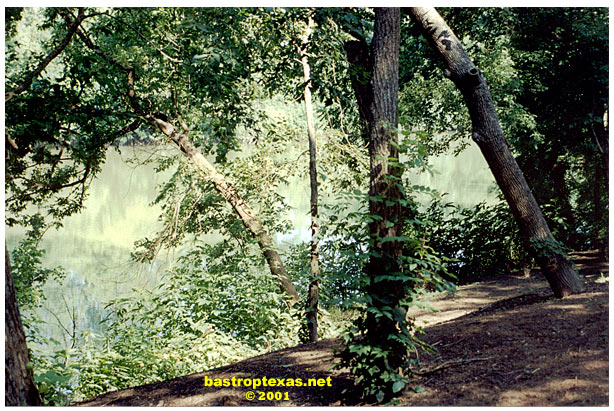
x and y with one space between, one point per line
94 247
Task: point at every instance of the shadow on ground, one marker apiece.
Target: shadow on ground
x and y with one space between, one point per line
500 342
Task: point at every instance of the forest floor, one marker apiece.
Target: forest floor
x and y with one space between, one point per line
504 341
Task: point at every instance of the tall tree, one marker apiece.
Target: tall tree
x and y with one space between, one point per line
142 108
488 135
19 384
314 265
384 177
378 352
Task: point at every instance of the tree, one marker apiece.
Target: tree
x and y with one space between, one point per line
20 386
146 114
377 350
314 265
244 212
487 133
385 171
551 88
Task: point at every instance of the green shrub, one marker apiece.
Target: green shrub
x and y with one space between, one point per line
479 241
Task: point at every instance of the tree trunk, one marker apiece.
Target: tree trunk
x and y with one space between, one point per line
487 133
562 194
19 385
384 192
247 216
601 134
358 58
312 297
382 132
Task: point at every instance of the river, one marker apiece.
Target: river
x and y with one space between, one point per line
94 246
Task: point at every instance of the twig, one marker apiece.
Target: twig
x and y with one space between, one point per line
447 364
174 60
453 343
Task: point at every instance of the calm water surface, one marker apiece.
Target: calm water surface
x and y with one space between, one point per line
94 247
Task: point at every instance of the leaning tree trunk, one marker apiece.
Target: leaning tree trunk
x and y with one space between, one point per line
246 215
19 385
312 297
487 133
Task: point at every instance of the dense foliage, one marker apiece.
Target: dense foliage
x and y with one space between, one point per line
479 241
231 76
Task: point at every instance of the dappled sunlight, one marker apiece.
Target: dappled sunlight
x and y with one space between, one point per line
595 365
443 306
528 350
577 308
562 391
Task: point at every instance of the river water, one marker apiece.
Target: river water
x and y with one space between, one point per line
94 247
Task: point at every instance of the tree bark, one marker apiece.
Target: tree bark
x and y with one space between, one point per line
487 133
382 131
246 215
19 385
314 265
357 52
384 180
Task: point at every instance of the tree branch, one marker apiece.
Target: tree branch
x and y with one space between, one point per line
447 364
72 29
174 60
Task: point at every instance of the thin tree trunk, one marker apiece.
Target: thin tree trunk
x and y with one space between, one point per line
312 297
19 385
487 133
562 194
600 132
246 215
598 213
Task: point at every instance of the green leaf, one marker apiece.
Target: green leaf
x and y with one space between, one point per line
398 386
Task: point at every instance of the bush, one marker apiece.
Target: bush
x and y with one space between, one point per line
480 241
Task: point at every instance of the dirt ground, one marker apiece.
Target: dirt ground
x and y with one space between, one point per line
505 341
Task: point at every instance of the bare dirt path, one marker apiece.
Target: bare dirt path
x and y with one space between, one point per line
506 341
